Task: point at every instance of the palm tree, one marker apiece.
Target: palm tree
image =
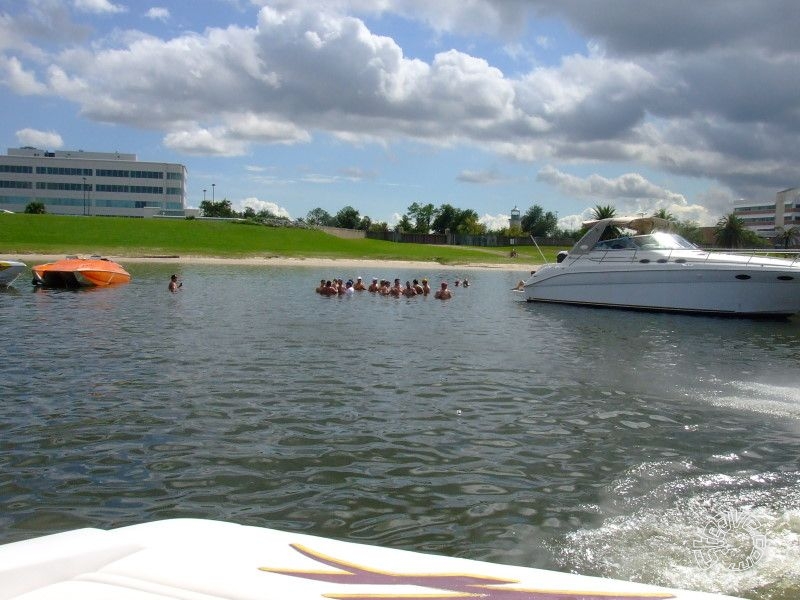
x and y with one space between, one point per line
730 232
663 213
787 236
604 212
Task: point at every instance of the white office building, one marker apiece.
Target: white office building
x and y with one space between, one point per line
91 183
769 219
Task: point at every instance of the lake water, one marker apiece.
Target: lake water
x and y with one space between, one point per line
594 441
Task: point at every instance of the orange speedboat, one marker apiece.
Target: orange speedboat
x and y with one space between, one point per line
74 271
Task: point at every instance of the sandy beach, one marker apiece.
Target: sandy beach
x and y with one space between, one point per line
362 266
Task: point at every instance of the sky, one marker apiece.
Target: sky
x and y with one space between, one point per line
291 105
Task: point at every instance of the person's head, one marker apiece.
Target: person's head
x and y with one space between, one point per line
424 281
174 278
444 285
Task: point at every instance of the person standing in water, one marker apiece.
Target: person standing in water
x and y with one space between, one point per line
443 293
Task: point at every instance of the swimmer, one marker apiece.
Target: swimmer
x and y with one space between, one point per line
443 293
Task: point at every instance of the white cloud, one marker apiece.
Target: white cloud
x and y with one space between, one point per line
46 140
259 205
18 79
628 186
573 222
505 18
310 66
262 128
480 177
205 142
494 222
356 174
158 13
98 6
630 193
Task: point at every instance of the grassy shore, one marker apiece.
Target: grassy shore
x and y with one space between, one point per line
56 235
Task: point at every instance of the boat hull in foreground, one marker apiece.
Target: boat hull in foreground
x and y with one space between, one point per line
80 272
10 270
193 558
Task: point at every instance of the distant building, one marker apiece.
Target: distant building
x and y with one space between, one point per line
515 222
768 219
91 183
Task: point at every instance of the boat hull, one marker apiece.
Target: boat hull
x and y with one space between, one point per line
735 290
192 558
10 270
80 272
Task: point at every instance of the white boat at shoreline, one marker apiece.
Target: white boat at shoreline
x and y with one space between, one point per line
10 270
203 560
652 269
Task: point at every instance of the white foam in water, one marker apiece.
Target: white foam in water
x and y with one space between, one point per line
737 536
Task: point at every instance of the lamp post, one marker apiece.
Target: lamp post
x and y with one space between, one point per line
84 196
204 195
213 187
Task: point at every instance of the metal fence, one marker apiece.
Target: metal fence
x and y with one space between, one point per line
457 239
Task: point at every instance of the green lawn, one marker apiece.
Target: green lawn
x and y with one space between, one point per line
53 234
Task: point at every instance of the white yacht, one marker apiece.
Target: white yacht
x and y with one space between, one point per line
636 263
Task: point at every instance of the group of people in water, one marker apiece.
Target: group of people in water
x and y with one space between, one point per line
384 287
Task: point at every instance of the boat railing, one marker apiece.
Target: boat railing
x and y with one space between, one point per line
794 255
683 255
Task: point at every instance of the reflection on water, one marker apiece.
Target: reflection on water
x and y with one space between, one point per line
590 440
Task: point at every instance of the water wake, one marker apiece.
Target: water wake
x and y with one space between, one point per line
666 523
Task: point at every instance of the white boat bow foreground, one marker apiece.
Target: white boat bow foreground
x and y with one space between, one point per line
195 559
652 269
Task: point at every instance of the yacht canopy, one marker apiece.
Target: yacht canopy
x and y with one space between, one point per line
641 225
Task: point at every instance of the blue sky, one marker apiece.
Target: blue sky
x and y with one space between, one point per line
484 104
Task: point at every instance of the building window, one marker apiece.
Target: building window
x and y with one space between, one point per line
15 169
57 185
112 173
63 171
19 185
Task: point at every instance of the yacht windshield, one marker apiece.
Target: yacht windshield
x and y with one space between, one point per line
658 240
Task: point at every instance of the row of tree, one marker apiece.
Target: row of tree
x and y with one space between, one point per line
420 218
426 218
730 231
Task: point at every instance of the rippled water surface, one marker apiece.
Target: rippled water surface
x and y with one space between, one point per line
595 441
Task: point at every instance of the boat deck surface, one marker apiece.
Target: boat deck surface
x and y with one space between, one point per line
195 559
